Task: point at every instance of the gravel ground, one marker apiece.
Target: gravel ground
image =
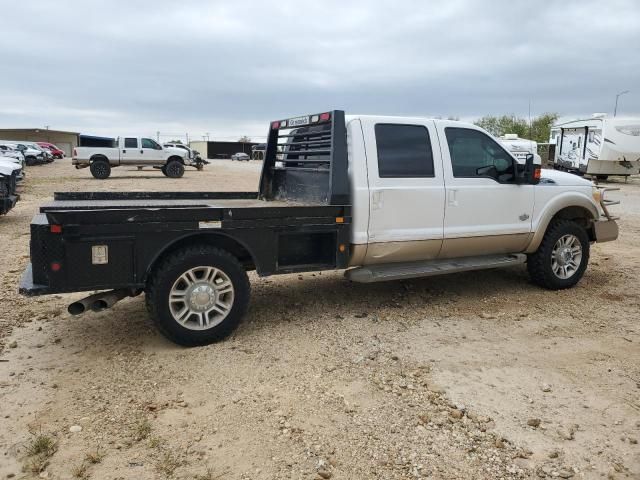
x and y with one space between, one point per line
476 375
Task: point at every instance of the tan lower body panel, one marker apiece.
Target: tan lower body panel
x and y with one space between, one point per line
394 252
490 245
419 250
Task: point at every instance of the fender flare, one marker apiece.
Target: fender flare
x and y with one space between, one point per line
555 206
98 156
206 237
177 158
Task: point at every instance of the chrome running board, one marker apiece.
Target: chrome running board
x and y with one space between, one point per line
398 271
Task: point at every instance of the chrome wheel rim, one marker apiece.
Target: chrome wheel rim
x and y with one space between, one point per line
566 256
201 298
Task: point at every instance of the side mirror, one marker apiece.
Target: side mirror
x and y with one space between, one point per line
531 173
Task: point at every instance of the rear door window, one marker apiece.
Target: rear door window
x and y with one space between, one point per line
404 151
130 143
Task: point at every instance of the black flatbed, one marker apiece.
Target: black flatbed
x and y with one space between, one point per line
298 220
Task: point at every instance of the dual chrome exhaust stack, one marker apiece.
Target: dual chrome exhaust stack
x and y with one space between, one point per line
99 301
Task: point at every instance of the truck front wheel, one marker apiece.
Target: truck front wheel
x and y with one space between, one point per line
100 169
561 258
198 295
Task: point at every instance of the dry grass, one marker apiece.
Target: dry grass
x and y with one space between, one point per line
39 449
142 430
80 471
94 457
41 444
167 464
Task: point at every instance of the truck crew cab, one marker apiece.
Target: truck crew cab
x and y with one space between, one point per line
383 197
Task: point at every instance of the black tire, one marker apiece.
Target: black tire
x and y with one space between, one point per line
174 169
100 169
167 274
163 169
30 161
602 177
539 264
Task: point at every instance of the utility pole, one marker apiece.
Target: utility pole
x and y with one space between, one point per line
158 136
615 110
187 135
207 136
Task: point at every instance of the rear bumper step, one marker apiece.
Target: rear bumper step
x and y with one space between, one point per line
398 271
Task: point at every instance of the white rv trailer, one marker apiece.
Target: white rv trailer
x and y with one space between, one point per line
598 146
520 147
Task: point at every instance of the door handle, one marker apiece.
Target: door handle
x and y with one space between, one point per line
124 151
141 151
453 198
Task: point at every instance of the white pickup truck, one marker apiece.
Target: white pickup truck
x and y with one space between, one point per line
383 198
132 151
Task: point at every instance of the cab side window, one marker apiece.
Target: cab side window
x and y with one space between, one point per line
473 154
404 151
130 143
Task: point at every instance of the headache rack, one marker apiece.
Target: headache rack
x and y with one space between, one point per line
306 160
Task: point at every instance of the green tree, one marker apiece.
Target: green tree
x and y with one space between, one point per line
541 127
539 131
498 126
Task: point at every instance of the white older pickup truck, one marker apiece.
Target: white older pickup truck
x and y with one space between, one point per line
132 151
382 198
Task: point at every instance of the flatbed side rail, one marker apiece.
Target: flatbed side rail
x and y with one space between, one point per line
88 196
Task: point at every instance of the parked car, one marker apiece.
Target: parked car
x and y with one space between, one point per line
48 156
55 151
410 197
10 151
133 151
194 158
240 156
32 156
9 173
14 158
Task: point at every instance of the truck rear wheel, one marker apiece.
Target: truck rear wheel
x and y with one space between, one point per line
100 169
198 295
561 258
174 169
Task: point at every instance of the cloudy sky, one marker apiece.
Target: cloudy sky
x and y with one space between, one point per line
228 67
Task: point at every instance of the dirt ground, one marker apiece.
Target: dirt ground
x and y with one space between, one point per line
476 375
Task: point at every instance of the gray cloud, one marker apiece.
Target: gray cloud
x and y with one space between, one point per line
229 67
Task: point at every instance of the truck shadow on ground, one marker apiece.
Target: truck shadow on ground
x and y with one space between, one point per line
323 299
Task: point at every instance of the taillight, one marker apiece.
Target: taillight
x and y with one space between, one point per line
56 266
324 117
55 228
275 125
75 152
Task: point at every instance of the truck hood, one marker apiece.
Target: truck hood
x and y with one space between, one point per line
178 151
564 179
7 168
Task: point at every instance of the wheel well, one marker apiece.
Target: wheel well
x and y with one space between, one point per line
98 157
579 215
223 242
175 158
